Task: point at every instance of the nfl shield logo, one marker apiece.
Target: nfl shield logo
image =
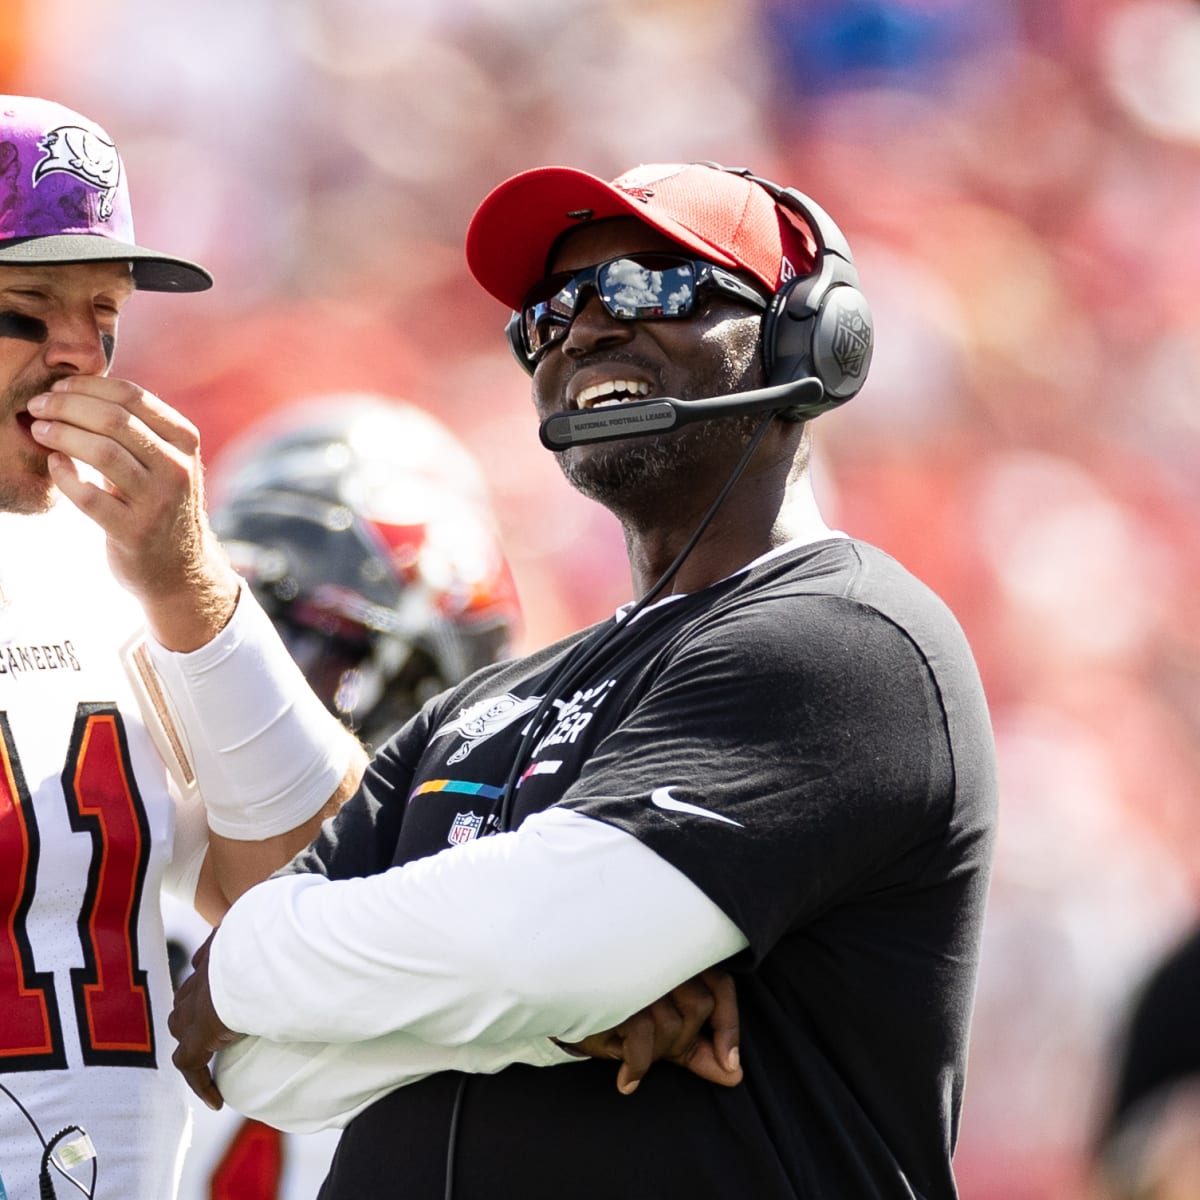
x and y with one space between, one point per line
851 342
464 827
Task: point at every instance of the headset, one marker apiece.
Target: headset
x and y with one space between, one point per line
817 325
816 330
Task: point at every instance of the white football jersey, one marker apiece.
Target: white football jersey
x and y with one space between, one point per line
87 829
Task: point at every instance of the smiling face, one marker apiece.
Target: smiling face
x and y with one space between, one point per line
602 360
55 320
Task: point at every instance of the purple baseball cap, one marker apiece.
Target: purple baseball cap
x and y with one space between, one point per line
64 198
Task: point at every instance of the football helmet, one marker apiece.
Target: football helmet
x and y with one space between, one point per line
365 530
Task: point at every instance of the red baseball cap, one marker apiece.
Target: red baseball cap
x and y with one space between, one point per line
718 215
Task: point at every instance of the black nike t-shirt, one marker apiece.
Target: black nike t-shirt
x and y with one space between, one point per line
808 742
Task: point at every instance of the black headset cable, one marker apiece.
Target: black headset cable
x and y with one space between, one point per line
582 658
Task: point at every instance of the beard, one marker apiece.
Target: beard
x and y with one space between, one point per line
626 475
25 484
620 474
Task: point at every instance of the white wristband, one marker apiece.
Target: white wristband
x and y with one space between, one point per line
265 752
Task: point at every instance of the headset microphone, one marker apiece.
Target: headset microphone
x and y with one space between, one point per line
640 418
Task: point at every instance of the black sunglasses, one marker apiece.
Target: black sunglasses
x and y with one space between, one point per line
635 287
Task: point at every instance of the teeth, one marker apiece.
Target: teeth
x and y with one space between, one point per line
613 392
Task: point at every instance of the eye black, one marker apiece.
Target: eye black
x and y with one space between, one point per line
23 327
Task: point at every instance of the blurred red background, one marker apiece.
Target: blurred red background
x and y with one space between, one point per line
1021 183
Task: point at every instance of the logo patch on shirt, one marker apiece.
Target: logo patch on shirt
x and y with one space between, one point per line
661 798
464 828
484 720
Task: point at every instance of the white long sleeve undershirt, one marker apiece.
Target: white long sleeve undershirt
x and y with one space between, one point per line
470 959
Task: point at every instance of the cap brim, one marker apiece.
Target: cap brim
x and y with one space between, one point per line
515 227
152 272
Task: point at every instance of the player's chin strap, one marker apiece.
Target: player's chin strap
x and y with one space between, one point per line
582 658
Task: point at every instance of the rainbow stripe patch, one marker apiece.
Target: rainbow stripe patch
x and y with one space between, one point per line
464 787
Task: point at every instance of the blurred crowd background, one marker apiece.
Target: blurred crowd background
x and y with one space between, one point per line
1020 180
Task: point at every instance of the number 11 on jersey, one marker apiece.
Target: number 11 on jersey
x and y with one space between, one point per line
111 998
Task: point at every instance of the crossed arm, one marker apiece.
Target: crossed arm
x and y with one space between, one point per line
470 959
306 1087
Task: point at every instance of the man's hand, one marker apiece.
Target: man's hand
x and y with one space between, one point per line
694 1026
149 501
199 1031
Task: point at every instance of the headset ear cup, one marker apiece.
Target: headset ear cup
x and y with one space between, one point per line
820 327
843 341
512 334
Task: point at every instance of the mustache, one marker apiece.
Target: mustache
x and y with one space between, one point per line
18 395
609 358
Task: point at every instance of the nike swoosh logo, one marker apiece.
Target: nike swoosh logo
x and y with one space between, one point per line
662 798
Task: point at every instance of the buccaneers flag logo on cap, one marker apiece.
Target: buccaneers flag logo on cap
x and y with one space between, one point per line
88 157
